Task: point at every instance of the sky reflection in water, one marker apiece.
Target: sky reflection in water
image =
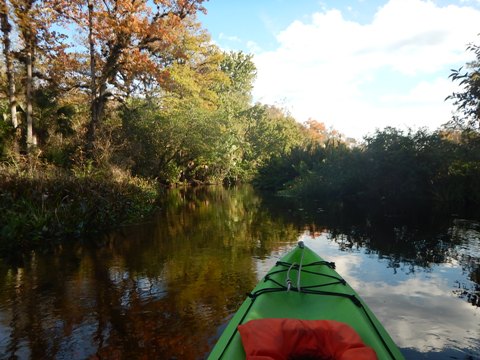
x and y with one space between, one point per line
419 307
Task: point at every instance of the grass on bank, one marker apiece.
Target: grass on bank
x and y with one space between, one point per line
42 206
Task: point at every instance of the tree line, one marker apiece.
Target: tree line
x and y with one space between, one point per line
134 85
394 173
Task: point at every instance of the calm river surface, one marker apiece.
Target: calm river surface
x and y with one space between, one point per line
166 289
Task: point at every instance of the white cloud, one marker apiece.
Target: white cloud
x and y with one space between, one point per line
425 92
422 316
253 47
223 36
357 77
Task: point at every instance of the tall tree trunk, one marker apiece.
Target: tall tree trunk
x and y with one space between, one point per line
28 98
6 28
27 28
94 101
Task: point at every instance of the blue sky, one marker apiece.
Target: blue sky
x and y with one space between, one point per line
356 65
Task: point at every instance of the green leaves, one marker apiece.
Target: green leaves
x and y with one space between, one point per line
467 101
393 174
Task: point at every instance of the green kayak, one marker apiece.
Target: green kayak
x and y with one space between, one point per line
303 286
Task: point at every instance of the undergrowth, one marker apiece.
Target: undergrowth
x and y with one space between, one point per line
44 206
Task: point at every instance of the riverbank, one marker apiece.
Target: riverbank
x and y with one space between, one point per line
43 206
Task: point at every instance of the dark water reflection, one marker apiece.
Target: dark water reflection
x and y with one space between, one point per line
165 289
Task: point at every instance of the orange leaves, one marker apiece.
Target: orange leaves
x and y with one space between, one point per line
131 37
319 132
166 3
139 63
316 126
122 16
184 6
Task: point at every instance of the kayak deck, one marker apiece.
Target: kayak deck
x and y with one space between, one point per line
318 293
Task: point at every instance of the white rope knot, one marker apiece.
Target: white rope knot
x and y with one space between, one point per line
289 281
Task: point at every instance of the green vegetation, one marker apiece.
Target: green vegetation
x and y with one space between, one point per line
43 207
467 101
392 174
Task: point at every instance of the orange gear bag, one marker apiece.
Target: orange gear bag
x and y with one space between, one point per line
285 339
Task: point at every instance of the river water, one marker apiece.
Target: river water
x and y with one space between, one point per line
165 289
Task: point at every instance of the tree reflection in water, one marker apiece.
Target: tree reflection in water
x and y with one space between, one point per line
165 289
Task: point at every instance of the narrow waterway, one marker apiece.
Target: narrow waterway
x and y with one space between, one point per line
165 289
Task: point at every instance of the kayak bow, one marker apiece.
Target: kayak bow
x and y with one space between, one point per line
303 286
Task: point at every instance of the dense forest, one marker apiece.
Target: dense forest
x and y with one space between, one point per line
105 104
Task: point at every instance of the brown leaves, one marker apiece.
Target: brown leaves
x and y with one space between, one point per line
133 38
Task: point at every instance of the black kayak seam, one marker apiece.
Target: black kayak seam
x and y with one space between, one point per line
287 266
331 265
